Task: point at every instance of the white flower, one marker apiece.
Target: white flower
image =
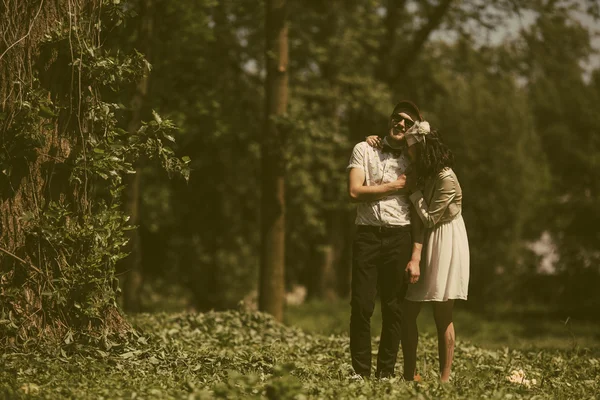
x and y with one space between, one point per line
419 128
417 132
518 377
423 128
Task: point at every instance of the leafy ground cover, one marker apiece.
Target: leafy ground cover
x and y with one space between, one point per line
239 354
519 328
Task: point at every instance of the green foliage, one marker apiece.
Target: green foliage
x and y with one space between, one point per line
22 133
66 148
486 100
207 229
564 106
216 98
112 151
518 327
519 116
248 355
81 256
484 117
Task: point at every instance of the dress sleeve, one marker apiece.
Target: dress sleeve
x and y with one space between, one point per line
444 193
357 160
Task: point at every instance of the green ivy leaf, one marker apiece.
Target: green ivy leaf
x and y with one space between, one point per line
157 117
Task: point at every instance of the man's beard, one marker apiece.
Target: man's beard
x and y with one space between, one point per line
396 135
395 141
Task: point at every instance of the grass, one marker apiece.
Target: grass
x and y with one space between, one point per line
247 355
506 327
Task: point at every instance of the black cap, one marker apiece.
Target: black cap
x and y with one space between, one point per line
409 108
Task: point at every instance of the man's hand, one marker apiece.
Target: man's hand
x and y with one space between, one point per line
399 183
413 271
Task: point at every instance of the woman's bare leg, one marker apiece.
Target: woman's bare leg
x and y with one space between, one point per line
410 337
442 313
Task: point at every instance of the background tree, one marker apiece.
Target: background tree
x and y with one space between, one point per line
202 237
209 74
484 117
563 104
272 267
132 264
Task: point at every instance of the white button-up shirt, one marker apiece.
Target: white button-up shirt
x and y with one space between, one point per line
381 168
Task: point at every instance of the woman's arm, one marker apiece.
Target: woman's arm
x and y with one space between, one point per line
412 268
444 193
374 141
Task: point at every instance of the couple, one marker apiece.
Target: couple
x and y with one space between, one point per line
409 199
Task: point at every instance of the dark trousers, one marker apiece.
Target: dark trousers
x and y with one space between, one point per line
378 264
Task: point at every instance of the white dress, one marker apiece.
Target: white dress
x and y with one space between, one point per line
445 256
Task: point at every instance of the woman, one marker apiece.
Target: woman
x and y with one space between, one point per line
445 260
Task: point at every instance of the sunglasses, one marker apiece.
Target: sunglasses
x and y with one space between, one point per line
407 122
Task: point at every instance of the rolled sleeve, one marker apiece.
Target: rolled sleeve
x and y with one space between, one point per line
357 159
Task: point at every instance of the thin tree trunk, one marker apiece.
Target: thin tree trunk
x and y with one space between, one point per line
133 263
323 275
387 48
272 270
344 265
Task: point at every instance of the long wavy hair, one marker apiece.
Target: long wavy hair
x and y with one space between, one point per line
432 157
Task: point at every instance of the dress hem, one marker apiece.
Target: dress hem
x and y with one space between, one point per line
428 300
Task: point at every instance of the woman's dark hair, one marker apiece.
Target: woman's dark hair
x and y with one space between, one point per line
432 156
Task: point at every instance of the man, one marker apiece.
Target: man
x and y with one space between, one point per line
384 257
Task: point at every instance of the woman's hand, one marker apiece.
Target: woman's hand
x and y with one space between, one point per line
374 141
411 182
413 271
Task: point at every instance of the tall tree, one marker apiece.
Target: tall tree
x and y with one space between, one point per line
564 105
62 157
203 235
272 267
483 115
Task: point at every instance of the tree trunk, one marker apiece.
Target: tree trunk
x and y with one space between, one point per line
326 259
344 263
132 264
387 47
321 272
49 282
272 271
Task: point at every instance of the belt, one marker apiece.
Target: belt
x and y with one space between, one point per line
383 229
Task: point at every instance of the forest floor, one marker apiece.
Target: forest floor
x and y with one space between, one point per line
524 327
245 355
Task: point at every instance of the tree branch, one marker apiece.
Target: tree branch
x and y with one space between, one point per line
387 45
20 259
27 34
420 38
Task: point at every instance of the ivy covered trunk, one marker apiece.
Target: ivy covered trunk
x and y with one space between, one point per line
63 156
